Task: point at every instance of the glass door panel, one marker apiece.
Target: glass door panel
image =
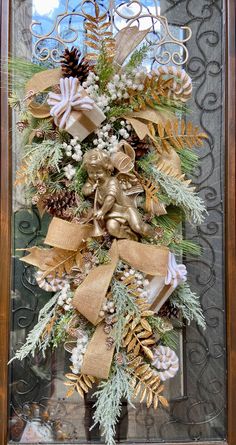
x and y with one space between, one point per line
39 410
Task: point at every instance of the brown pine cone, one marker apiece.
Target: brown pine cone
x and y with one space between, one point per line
168 311
59 204
141 147
73 66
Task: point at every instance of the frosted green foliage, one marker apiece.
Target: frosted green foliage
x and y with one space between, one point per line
189 304
109 402
33 340
178 192
124 304
43 155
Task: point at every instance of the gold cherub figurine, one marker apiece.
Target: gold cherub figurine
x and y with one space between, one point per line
121 217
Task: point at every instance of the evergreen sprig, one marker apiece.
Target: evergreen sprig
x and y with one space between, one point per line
109 401
125 304
34 340
178 192
189 304
137 57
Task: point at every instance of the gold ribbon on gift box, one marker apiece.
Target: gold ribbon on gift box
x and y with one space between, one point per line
90 295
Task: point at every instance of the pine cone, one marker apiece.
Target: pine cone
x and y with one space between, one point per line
141 147
73 65
61 203
168 311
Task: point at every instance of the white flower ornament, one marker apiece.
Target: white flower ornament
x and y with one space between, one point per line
70 98
166 362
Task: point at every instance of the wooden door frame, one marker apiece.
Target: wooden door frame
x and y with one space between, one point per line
230 221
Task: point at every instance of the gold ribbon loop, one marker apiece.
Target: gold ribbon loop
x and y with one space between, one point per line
66 235
91 293
98 357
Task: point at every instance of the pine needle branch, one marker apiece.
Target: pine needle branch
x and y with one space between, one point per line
125 304
33 340
188 303
178 192
109 402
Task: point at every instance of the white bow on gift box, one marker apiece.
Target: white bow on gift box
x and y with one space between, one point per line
73 110
160 288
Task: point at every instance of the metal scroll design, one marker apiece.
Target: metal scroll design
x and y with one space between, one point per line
167 48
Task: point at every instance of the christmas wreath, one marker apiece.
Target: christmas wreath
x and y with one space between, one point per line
106 153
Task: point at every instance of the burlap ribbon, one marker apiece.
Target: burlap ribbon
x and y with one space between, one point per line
90 295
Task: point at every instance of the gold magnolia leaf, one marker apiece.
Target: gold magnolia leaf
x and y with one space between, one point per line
155 401
79 390
83 385
70 392
145 325
148 341
163 401
143 395
137 389
144 334
71 377
148 352
149 399
131 345
127 339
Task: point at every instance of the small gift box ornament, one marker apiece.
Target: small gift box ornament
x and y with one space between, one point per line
160 288
73 110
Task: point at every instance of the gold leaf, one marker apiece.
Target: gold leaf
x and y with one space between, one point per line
79 390
87 381
128 339
145 325
147 375
149 399
137 390
83 385
69 384
71 377
148 341
134 323
91 44
147 313
163 401
148 352
70 392
144 334
141 369
136 349
132 344
155 401
144 391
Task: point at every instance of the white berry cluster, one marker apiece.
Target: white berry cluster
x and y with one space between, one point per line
120 84
139 280
65 298
92 88
69 171
107 308
73 149
78 352
107 140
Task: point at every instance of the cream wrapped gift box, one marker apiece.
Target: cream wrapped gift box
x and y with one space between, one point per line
73 110
160 288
